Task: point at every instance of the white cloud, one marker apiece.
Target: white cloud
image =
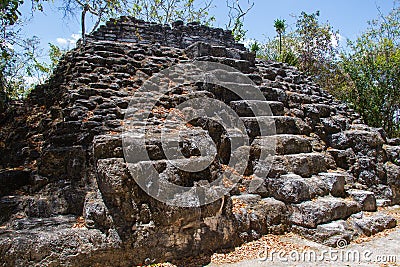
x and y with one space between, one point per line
62 41
68 41
74 38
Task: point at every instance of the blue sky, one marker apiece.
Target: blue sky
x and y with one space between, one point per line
348 16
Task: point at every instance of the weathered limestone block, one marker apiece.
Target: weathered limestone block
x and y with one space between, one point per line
256 216
107 146
335 183
393 180
344 158
356 139
63 163
366 199
322 210
329 233
289 188
373 224
96 213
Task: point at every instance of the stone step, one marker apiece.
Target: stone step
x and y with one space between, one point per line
173 143
366 199
138 123
304 164
107 146
393 174
43 223
344 158
372 223
317 110
328 234
383 202
256 78
335 181
356 139
110 146
285 144
233 91
394 142
259 215
273 94
186 171
298 100
181 172
249 108
172 146
268 73
275 125
312 213
241 65
292 188
340 233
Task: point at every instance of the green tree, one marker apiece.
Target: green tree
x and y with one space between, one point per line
9 12
25 68
160 11
55 54
317 46
280 28
167 11
287 53
255 47
99 10
18 55
312 47
373 64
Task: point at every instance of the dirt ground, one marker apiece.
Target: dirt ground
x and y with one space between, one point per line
382 249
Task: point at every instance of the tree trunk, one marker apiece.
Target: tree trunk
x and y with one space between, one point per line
85 8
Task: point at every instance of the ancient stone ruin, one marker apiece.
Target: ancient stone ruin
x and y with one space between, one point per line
68 197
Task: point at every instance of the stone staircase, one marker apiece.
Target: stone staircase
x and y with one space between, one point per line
66 180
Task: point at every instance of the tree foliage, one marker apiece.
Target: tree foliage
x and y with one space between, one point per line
317 48
280 28
373 64
22 63
255 47
311 46
283 49
159 11
9 12
99 10
167 11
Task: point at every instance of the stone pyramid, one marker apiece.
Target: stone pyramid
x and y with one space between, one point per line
68 180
